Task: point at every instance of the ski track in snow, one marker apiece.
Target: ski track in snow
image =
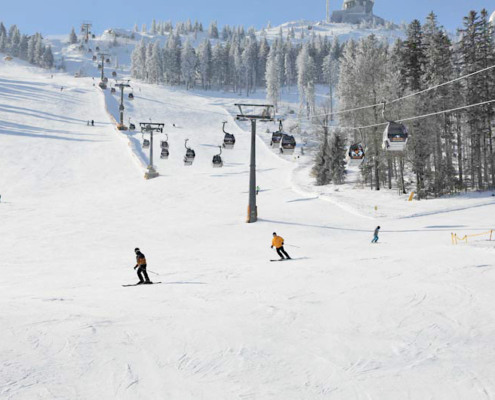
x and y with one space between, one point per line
411 318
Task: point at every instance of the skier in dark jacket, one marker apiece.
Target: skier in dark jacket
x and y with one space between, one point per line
141 267
375 237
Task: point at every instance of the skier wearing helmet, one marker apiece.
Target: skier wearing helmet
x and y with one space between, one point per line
141 268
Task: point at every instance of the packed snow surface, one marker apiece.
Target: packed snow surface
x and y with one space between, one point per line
409 318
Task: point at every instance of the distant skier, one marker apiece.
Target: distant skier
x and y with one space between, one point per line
92 122
375 238
278 243
61 88
141 268
257 190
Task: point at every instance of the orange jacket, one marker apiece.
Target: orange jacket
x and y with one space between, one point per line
278 242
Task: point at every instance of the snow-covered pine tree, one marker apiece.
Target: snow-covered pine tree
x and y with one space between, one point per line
189 63
48 59
272 77
306 73
213 30
72 36
219 65
154 64
205 58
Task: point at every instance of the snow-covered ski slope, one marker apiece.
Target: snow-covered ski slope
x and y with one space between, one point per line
409 318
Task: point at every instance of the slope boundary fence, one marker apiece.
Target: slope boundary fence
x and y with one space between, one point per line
456 239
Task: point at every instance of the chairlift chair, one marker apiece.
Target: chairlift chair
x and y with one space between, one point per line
287 145
228 139
190 155
217 159
395 135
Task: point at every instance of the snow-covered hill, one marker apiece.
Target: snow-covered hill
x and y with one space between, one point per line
410 317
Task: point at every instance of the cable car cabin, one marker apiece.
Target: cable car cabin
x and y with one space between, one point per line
114 74
288 144
102 85
189 157
107 61
355 156
90 51
276 139
100 66
217 161
112 90
105 79
131 96
94 58
164 154
164 144
97 48
395 137
132 127
228 141
146 143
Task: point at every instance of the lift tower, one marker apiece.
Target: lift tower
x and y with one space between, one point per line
151 127
86 29
253 113
122 86
103 82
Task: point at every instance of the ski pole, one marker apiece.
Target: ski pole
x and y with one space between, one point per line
291 245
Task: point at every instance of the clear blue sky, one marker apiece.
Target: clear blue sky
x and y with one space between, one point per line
58 16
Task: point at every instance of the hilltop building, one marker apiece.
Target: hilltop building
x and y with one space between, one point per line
355 12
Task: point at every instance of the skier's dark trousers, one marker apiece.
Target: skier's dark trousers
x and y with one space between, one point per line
141 267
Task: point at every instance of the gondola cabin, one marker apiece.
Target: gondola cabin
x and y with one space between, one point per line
355 155
94 58
146 143
287 144
102 85
276 139
395 137
131 96
164 144
113 90
189 157
228 141
132 127
217 161
164 154
114 74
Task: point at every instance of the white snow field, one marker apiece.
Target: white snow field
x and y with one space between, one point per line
409 318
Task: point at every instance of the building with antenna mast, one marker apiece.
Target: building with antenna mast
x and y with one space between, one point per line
355 12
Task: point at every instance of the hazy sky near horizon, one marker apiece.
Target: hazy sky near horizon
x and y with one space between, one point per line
57 16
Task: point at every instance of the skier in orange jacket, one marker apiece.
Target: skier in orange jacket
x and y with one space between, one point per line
278 243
